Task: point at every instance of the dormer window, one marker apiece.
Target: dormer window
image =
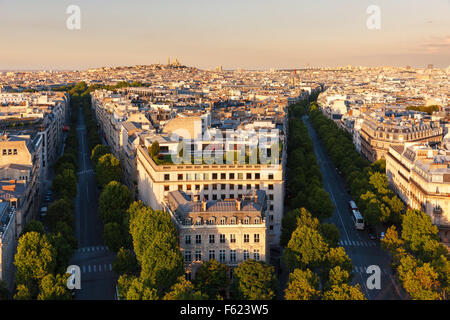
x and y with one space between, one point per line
247 220
233 220
223 220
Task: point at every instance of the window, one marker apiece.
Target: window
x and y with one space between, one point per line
240 176
246 220
271 217
256 186
206 197
270 196
188 176
180 187
232 255
246 238
233 220
214 176
271 207
222 256
180 176
4 152
211 238
256 237
231 186
198 239
231 196
239 186
223 186
223 220
212 254
187 256
257 176
187 239
198 176
198 255
256 254
214 186
166 188
222 196
188 187
257 220
270 186
15 151
249 187
222 238
223 176
166 177
197 187
212 220
231 176
214 196
246 255
232 238
249 175
198 221
9 152
206 176
270 176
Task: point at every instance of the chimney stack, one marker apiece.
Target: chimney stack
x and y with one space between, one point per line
203 204
238 205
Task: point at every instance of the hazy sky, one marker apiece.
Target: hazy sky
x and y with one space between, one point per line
257 34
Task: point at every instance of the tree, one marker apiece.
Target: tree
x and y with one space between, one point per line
108 169
337 277
320 203
54 288
65 184
330 234
99 151
4 292
59 211
138 290
184 290
35 258
338 257
212 278
63 251
422 284
254 280
33 225
114 202
23 293
125 262
417 228
306 249
294 218
112 235
153 150
302 285
344 292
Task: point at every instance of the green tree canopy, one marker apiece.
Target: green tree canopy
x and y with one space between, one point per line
212 278
184 290
302 285
108 169
114 202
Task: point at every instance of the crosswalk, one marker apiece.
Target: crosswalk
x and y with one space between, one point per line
363 269
90 171
357 243
96 268
93 249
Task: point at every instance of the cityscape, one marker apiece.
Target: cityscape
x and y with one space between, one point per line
177 180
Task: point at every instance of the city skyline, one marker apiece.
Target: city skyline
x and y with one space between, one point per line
251 35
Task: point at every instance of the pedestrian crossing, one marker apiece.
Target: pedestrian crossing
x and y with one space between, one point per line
357 243
93 249
363 269
96 268
90 171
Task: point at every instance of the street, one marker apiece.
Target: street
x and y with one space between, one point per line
93 257
361 249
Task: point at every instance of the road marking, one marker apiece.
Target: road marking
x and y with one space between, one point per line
100 268
337 208
95 268
110 267
84 269
105 267
89 268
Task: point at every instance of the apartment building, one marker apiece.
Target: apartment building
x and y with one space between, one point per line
378 134
213 182
7 243
229 230
421 177
20 169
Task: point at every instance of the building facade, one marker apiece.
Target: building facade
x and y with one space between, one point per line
229 231
421 177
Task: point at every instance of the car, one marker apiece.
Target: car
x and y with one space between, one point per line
382 236
48 198
372 233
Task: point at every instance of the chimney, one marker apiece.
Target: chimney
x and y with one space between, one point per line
238 205
203 204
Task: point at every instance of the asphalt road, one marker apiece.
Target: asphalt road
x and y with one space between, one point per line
362 251
93 257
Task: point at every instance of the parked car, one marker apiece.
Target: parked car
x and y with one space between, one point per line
372 233
382 236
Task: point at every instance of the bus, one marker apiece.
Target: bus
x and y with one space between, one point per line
358 220
352 205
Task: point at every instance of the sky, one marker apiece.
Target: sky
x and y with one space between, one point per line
249 34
